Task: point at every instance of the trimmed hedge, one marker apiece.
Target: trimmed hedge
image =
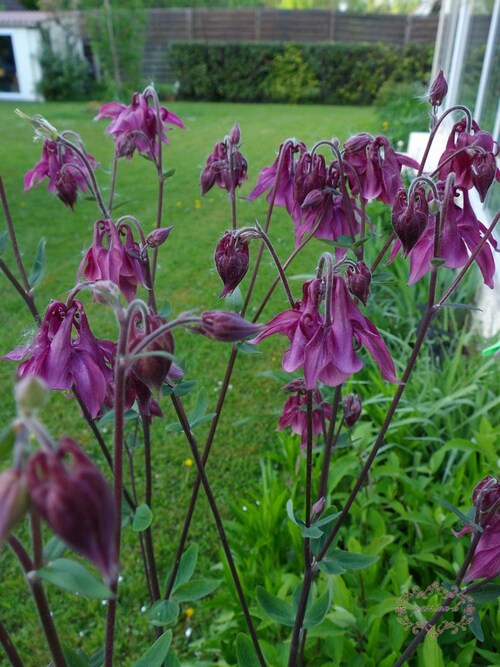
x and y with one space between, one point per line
329 73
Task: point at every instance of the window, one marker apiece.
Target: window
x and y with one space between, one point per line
8 74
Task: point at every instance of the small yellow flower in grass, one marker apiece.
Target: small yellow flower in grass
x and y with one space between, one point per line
178 204
189 612
188 463
385 125
197 203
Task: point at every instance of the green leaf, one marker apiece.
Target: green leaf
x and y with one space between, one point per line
143 517
7 441
74 577
338 561
476 628
163 612
245 652
97 660
201 406
311 531
186 567
431 652
293 516
456 511
234 301
196 589
156 654
168 174
247 348
3 241
75 658
275 607
317 611
109 417
488 593
38 268
180 389
54 548
172 660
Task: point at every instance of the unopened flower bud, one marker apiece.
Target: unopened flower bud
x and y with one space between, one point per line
484 170
158 236
31 393
231 258
74 498
226 326
295 386
235 134
409 218
14 500
438 90
207 179
351 405
359 278
317 508
314 198
153 369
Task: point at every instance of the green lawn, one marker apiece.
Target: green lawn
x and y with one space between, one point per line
453 397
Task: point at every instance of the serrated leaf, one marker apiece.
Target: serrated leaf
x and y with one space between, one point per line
317 611
277 609
186 567
143 517
54 548
38 268
196 589
156 654
74 577
488 593
245 652
163 612
3 241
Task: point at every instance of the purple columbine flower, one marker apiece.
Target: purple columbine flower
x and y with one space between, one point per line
378 166
14 500
358 278
151 370
134 126
64 352
74 498
231 258
486 560
64 169
410 217
351 407
286 165
225 166
461 234
474 158
114 256
327 350
294 412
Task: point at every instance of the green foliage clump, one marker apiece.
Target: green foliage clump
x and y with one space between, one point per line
65 75
290 78
402 108
329 73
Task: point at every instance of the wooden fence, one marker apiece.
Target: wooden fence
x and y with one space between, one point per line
256 24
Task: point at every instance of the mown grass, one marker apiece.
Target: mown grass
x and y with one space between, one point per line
186 279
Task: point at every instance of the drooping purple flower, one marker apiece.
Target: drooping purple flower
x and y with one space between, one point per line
225 166
471 156
351 406
74 498
294 412
310 175
377 165
151 370
410 217
64 169
327 350
286 165
114 256
134 126
461 234
231 259
486 560
359 278
64 352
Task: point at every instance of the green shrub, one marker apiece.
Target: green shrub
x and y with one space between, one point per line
329 73
402 108
65 75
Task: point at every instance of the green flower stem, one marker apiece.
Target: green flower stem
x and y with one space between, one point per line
40 600
218 522
9 648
